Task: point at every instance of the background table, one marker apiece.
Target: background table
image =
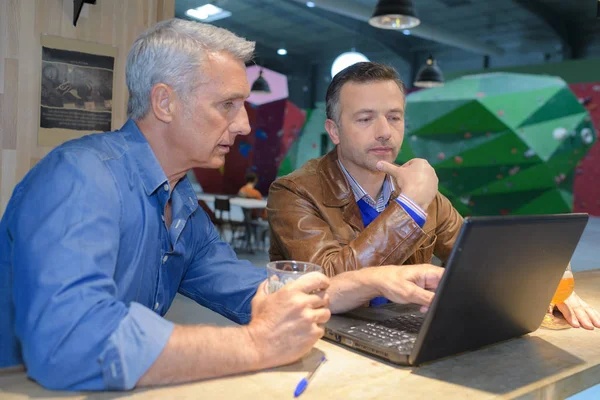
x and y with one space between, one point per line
246 205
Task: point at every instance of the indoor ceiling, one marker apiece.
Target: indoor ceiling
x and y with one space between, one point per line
559 29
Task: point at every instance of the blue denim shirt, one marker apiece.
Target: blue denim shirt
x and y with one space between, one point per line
88 266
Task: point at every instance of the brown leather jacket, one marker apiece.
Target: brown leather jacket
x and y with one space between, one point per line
314 217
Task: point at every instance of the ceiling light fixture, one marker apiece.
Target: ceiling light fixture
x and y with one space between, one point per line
207 13
430 75
282 51
395 14
310 4
260 85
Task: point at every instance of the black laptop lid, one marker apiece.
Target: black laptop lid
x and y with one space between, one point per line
499 280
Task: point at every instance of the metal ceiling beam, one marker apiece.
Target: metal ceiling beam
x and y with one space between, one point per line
363 13
556 23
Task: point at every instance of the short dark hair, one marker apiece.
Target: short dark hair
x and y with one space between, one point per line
251 177
361 72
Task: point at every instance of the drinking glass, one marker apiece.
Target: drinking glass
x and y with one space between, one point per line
280 273
563 291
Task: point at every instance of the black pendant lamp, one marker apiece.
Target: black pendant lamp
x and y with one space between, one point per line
430 75
395 14
260 85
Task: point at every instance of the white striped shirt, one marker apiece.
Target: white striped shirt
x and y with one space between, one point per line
384 196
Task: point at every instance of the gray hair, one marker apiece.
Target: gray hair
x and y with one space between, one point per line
172 52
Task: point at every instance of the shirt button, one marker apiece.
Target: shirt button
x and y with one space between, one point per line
165 258
166 187
156 306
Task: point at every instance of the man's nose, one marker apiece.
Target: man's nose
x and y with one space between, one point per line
241 124
383 129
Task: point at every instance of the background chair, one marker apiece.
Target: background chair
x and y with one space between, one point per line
224 221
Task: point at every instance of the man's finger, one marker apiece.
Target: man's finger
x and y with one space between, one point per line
594 316
261 294
310 282
323 298
569 315
420 296
319 299
587 313
319 331
387 167
321 315
427 276
263 288
432 276
583 318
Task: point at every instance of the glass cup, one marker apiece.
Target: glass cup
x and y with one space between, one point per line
280 273
563 291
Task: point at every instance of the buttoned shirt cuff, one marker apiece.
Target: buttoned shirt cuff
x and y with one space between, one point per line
412 209
133 347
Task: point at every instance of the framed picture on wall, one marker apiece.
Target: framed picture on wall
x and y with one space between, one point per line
76 89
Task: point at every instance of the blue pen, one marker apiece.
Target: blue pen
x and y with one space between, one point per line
304 382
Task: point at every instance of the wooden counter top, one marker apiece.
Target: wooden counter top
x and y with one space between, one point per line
543 365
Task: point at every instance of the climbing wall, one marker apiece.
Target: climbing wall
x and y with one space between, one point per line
501 143
586 190
313 141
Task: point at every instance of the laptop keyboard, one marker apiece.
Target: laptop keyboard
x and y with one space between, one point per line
400 332
410 323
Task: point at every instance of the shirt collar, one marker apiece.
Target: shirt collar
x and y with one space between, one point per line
360 193
150 170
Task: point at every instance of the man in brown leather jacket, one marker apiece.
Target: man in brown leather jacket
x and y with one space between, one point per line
354 208
314 211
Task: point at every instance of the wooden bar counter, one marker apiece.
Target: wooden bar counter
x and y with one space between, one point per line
543 365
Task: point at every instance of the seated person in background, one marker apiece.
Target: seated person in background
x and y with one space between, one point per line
355 208
249 191
103 232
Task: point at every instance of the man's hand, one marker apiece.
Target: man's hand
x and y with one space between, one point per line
408 283
284 327
578 313
286 324
416 178
398 283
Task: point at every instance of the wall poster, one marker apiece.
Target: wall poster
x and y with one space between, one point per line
76 89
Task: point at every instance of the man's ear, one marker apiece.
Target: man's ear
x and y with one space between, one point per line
333 131
162 102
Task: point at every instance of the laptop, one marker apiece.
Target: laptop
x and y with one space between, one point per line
499 280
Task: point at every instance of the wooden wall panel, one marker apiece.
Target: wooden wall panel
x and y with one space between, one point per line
9 159
9 109
22 22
